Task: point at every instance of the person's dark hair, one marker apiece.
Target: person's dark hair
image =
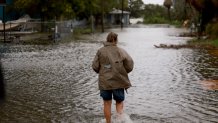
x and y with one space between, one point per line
112 37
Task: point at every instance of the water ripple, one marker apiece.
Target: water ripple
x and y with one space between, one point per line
57 84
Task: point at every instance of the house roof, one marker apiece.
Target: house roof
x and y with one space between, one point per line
117 11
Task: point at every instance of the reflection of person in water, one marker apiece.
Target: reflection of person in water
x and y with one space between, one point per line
2 88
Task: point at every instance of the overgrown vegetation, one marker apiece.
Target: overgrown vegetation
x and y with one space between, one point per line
212 30
61 9
65 9
136 8
154 14
79 31
208 10
155 20
215 42
211 44
158 14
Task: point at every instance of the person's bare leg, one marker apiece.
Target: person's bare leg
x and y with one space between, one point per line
119 107
107 110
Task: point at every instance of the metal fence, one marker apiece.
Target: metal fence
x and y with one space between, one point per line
32 30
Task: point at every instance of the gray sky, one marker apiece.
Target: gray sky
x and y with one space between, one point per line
153 1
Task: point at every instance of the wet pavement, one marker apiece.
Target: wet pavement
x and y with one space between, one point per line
55 83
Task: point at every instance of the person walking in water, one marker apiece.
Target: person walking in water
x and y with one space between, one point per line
113 64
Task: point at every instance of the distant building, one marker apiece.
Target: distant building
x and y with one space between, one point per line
115 17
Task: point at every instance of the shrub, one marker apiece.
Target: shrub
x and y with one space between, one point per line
82 31
215 42
155 20
212 30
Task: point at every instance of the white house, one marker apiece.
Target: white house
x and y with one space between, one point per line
115 17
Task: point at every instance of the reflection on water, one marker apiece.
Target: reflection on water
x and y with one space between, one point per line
210 84
56 83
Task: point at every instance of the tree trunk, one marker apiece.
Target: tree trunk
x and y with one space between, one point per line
168 11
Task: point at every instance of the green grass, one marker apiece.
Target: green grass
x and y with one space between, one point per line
79 31
36 42
176 23
215 42
212 42
155 20
161 20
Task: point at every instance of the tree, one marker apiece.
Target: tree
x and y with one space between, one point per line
136 8
168 4
61 9
154 14
207 8
47 9
181 10
106 6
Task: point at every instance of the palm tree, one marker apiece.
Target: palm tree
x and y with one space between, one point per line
168 4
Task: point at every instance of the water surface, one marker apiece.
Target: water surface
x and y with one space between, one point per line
55 83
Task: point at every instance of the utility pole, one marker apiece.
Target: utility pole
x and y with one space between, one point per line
3 4
91 17
122 20
102 15
4 22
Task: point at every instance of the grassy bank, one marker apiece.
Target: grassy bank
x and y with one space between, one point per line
80 31
161 20
215 42
212 42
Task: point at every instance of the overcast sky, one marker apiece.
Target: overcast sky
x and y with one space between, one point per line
153 1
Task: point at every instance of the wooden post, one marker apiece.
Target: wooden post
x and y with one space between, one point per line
4 23
92 23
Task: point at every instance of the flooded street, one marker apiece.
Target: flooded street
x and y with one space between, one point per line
56 84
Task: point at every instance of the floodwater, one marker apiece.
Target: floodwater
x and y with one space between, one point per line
56 84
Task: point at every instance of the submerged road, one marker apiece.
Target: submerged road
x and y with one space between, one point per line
56 84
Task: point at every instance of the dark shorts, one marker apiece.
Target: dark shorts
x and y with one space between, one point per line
118 94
